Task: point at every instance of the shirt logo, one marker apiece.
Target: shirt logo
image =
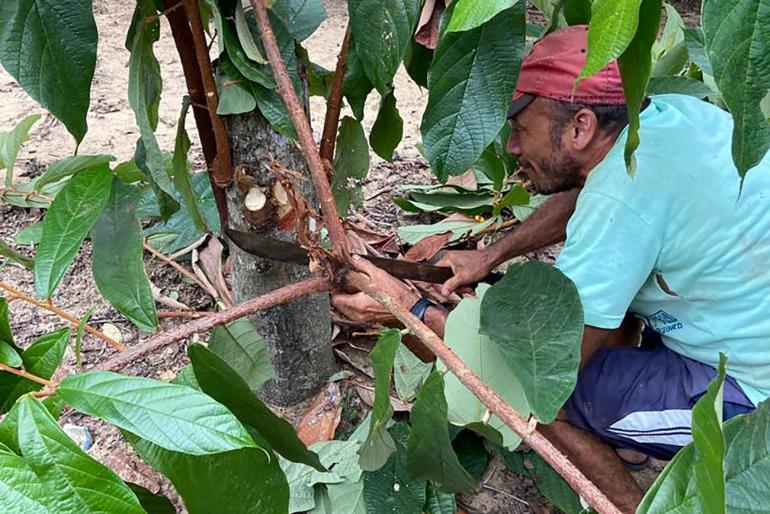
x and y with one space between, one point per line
662 322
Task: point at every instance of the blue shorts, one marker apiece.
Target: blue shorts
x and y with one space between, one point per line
641 398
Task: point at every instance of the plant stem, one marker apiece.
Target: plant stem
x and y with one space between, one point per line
22 373
305 134
184 314
181 269
265 301
62 314
334 104
487 396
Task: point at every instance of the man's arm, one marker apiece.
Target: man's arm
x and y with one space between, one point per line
546 226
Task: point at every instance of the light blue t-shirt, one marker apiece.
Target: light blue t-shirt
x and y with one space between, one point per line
679 244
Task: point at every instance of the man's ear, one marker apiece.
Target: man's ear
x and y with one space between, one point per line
584 129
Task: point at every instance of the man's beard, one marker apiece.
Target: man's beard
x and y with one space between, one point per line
558 173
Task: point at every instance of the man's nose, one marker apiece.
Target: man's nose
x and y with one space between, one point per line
514 144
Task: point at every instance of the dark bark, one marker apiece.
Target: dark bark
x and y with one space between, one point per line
298 334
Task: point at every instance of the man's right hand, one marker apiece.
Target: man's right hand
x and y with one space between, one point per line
468 266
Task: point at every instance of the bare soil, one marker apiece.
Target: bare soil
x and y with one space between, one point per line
112 129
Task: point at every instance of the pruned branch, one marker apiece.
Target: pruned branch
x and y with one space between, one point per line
265 301
29 376
334 103
181 269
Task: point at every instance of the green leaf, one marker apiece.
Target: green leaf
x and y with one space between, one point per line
356 86
222 383
388 128
417 61
118 267
29 235
379 445
49 46
258 73
437 502
471 82
534 316
272 108
696 48
490 164
152 503
67 223
301 17
351 163
6 335
235 98
182 179
516 196
9 356
248 44
41 359
413 234
74 481
709 442
613 26
678 85
347 498
409 373
429 454
244 481
129 173
469 14
11 141
577 12
69 166
486 360
9 253
381 30
242 348
468 444
144 88
737 43
391 489
174 417
635 66
451 201
20 489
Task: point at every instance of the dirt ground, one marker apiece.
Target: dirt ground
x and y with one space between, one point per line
112 129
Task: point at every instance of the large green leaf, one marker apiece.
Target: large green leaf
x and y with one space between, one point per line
391 489
272 108
356 86
5 327
696 48
387 129
182 179
244 481
379 445
669 53
351 163
635 66
613 25
737 43
485 359
747 461
69 166
74 481
301 17
49 46
20 490
222 383
679 85
66 224
174 417
41 359
29 235
471 82
577 12
9 356
381 30
117 258
144 88
534 316
429 454
417 61
242 348
469 14
709 442
9 253
246 38
11 141
409 373
437 502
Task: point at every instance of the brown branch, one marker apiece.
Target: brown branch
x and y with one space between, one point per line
487 396
23 373
181 269
184 314
265 301
62 314
305 134
334 103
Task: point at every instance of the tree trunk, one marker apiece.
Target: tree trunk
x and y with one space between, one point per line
297 334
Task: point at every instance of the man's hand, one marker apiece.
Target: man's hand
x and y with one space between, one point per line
468 266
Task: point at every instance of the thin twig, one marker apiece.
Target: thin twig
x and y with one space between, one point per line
62 314
184 314
23 373
487 396
265 301
509 495
166 12
334 103
304 132
181 269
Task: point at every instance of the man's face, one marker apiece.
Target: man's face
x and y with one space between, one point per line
537 143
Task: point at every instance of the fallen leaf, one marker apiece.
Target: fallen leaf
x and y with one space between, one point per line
210 263
323 416
112 332
427 248
357 358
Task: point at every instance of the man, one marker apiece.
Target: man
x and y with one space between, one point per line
681 245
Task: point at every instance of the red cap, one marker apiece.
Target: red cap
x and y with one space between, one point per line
550 70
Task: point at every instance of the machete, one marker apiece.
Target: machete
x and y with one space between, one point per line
285 251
